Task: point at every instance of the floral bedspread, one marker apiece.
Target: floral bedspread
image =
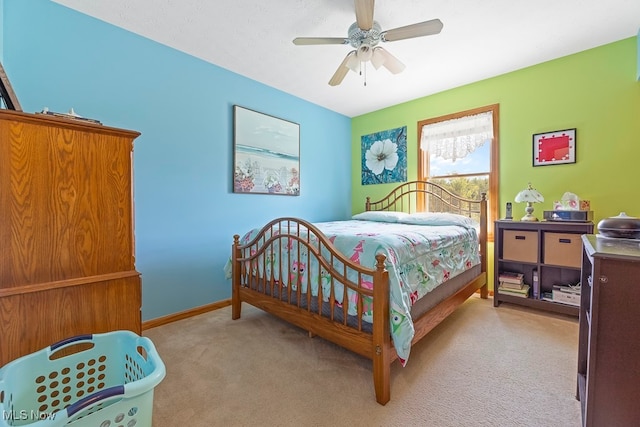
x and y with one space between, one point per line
418 258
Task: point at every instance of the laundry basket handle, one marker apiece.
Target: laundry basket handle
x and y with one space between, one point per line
66 341
94 398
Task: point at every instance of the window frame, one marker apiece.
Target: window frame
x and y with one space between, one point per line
493 196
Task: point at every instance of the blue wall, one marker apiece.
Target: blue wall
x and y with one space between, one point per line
186 213
2 32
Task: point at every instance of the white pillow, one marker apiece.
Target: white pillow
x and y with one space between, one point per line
381 216
439 218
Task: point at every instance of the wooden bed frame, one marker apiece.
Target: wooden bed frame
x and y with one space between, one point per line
304 310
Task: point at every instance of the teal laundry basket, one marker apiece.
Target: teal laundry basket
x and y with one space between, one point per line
99 380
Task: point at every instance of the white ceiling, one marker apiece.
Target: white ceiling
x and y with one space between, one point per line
480 39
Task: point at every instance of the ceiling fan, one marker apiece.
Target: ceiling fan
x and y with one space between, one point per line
364 35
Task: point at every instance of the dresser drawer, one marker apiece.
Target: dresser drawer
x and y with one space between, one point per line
563 249
520 245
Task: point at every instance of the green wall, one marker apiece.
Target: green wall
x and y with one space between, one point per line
595 91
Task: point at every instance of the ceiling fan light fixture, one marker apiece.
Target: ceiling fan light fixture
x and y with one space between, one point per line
382 57
365 52
378 57
353 62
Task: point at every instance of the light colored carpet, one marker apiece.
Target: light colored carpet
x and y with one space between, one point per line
483 366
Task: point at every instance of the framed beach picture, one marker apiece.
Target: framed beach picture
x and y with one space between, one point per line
266 154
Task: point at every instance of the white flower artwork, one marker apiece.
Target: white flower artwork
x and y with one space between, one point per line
384 156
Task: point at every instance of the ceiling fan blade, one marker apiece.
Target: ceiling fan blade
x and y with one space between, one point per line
342 70
305 41
364 14
381 57
420 29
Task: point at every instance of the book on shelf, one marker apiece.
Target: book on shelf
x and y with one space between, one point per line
524 290
509 285
511 277
536 285
522 293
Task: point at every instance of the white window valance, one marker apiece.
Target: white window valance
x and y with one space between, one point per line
456 138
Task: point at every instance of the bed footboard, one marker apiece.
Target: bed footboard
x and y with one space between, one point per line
290 269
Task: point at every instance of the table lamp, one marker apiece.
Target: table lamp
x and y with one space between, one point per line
529 195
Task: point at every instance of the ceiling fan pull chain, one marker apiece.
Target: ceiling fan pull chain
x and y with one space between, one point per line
365 73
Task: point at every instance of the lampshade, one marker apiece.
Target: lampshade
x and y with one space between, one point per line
353 62
365 51
377 56
529 195
381 57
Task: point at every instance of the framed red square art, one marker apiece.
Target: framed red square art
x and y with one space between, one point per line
554 148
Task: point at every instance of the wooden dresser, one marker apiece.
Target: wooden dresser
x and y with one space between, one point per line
67 264
609 335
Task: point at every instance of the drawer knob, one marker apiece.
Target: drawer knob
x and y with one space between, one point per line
604 279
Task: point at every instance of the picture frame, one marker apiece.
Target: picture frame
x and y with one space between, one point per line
384 156
554 148
266 154
9 98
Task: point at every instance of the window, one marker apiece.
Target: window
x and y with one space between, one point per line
460 152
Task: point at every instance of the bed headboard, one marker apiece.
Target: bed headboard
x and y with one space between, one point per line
425 196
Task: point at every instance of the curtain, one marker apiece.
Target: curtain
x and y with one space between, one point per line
456 138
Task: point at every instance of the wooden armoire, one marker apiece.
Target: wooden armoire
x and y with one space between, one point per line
67 262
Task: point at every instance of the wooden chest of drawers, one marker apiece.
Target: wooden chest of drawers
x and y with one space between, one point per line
67 265
609 336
